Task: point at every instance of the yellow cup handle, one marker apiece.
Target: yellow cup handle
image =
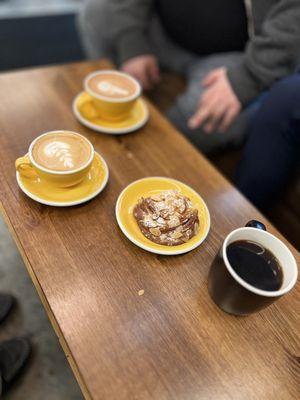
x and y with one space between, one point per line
25 168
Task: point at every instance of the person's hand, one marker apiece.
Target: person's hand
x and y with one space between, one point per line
218 106
145 69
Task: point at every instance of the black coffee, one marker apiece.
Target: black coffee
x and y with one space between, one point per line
255 264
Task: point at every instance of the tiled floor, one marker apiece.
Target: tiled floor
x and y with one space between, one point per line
48 376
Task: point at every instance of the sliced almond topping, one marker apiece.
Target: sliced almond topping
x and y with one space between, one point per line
177 235
167 218
156 197
174 221
155 232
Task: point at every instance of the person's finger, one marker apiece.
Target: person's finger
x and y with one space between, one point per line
154 72
228 119
134 73
215 119
145 79
124 68
199 118
209 96
210 78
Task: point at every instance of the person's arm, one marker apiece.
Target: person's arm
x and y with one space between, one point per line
129 27
271 55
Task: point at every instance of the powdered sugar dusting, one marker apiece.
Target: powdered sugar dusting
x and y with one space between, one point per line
167 218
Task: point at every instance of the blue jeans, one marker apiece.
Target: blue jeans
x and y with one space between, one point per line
272 150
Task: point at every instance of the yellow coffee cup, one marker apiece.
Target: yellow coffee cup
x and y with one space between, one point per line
29 167
113 93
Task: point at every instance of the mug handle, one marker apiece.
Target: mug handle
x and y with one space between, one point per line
25 168
256 224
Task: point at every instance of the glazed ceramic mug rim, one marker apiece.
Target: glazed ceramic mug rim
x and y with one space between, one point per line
246 285
51 171
109 99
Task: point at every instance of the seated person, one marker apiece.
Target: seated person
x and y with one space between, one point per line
230 52
271 154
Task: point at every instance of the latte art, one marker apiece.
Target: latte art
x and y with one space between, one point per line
61 151
113 85
112 90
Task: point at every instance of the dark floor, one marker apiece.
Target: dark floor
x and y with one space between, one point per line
48 375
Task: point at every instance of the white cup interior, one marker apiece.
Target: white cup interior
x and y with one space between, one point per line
276 246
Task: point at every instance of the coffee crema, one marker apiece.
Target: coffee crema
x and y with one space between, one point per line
113 86
61 151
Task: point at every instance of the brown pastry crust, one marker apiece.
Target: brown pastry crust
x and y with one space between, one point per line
167 218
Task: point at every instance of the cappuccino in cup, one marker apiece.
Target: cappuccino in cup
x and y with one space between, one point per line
61 151
112 85
113 93
61 158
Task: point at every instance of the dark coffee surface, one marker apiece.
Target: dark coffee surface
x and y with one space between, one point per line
255 264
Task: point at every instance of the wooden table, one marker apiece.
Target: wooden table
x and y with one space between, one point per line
172 342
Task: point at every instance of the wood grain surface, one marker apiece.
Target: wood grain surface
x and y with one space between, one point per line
171 342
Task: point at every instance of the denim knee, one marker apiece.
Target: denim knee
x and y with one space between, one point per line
286 94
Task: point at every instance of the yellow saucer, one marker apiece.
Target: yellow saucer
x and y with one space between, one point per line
86 114
148 187
90 187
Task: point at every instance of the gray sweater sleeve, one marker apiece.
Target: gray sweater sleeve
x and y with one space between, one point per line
129 26
271 55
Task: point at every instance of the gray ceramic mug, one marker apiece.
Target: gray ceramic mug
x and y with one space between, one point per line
233 294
